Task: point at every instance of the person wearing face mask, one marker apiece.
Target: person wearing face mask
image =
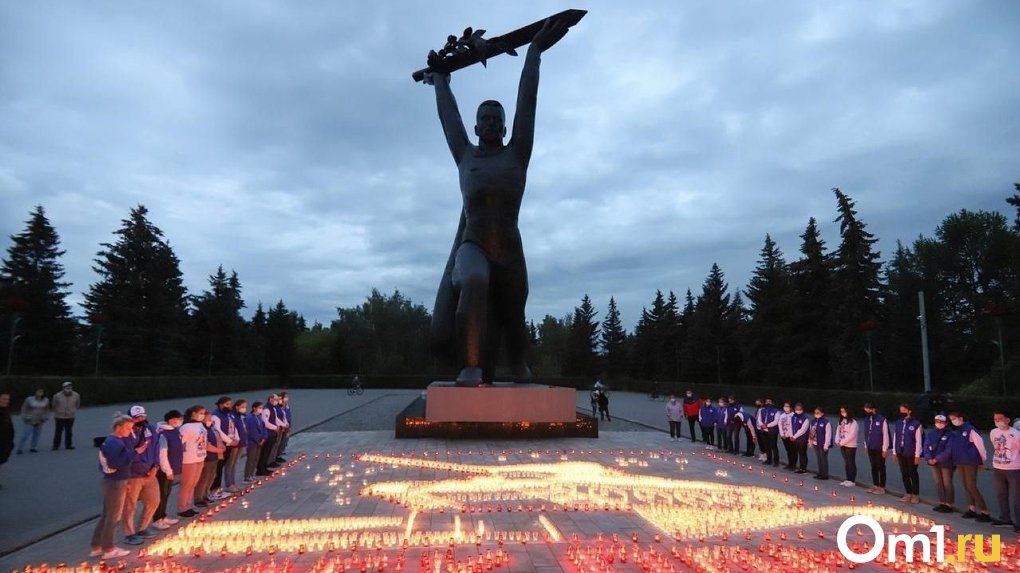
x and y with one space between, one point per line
215 449
800 426
750 436
722 436
907 442
968 454
876 442
846 439
820 438
770 433
269 421
1006 471
35 410
937 455
116 455
785 425
227 436
194 440
65 407
171 460
733 426
691 409
706 418
674 413
237 415
256 432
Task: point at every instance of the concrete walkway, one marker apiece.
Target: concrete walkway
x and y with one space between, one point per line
639 408
49 491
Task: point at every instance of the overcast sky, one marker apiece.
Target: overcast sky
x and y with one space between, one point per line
287 141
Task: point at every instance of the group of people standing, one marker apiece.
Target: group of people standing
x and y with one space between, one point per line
36 411
199 449
952 446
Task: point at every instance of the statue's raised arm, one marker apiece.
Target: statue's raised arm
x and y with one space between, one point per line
449 114
523 135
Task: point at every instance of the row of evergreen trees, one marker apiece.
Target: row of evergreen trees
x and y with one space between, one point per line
813 321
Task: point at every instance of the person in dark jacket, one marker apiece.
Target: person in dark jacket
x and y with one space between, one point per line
256 434
6 428
733 426
691 409
967 450
116 456
604 407
876 442
142 485
706 418
936 453
907 442
171 464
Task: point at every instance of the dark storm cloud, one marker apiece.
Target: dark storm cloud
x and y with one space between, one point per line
288 142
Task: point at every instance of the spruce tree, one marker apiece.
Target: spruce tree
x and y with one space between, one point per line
582 353
711 340
140 300
854 294
218 326
808 365
613 342
256 340
1014 200
33 306
767 344
282 329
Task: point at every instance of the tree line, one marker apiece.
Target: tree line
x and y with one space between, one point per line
827 318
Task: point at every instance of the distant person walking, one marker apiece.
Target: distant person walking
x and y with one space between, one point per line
65 407
674 413
116 455
6 428
35 410
604 407
594 403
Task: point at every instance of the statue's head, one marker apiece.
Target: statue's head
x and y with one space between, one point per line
490 122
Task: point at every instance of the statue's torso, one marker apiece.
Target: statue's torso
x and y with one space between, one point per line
492 186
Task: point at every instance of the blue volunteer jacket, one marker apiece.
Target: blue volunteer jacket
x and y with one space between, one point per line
769 416
962 451
255 429
148 459
936 446
174 449
796 422
242 431
116 456
706 416
875 432
906 436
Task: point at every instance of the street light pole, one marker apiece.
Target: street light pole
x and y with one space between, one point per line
1002 354
871 369
923 318
15 319
99 346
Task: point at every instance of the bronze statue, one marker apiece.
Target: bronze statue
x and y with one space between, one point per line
484 288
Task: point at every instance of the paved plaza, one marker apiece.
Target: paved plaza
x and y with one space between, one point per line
353 498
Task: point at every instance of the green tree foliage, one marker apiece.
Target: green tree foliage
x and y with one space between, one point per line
218 336
649 339
315 351
767 344
613 342
712 347
810 278
385 334
582 350
282 329
1014 200
853 296
140 302
33 305
553 342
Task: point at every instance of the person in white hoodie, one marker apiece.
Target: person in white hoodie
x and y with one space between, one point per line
674 414
1006 471
194 439
846 441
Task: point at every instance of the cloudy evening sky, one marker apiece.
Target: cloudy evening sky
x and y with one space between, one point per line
287 141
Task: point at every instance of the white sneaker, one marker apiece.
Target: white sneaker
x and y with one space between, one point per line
96 552
171 520
220 495
160 524
115 553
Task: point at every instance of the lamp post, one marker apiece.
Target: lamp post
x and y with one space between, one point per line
922 317
868 326
15 319
99 346
998 310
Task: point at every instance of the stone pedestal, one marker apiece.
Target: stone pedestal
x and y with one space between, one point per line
500 402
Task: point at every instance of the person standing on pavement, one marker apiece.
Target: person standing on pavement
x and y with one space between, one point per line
35 410
674 413
786 434
749 433
255 429
604 406
142 484
1006 468
269 421
968 454
238 414
770 433
116 455
65 406
876 442
227 436
733 426
6 428
706 417
214 449
907 443
691 409
800 426
281 429
594 403
936 453
820 438
846 440
285 438
194 440
171 461
722 434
